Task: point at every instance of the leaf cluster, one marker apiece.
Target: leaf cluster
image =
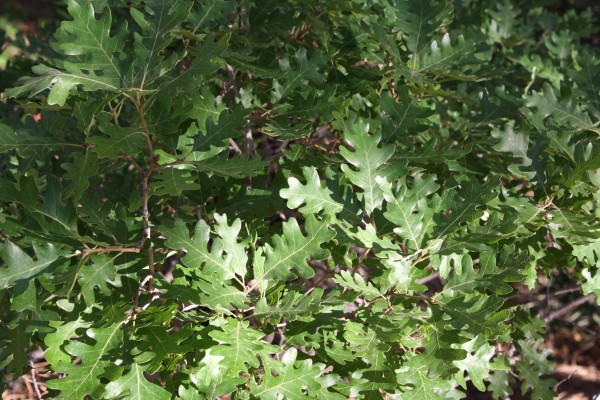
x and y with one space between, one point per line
297 199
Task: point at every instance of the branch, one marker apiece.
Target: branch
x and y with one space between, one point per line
231 84
145 179
146 218
568 308
140 110
35 383
131 160
111 249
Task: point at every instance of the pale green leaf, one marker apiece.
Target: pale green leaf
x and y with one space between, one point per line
313 194
83 379
134 385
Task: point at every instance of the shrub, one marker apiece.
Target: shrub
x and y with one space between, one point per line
299 199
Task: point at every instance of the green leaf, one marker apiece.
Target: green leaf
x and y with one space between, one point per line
134 385
586 77
292 306
21 266
226 258
59 82
161 17
589 253
477 363
403 275
411 210
92 57
366 345
313 195
208 13
357 283
212 379
101 271
26 143
239 345
441 57
19 343
306 71
229 126
513 142
532 366
118 140
221 297
417 384
173 182
462 207
79 172
500 384
585 158
64 333
201 66
592 283
492 276
84 379
369 162
285 258
295 379
228 167
477 316
404 115
544 108
89 40
419 20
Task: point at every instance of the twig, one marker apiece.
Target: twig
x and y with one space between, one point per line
111 249
140 109
145 179
566 290
231 85
249 142
568 308
429 278
525 297
367 63
250 151
555 388
147 229
191 307
132 313
35 384
235 147
131 160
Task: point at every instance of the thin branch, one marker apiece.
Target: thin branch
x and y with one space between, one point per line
249 142
231 85
568 308
35 384
110 249
131 160
170 164
250 150
235 147
435 275
132 313
140 110
145 179
147 228
525 297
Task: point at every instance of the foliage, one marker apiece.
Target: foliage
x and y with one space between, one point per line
297 199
